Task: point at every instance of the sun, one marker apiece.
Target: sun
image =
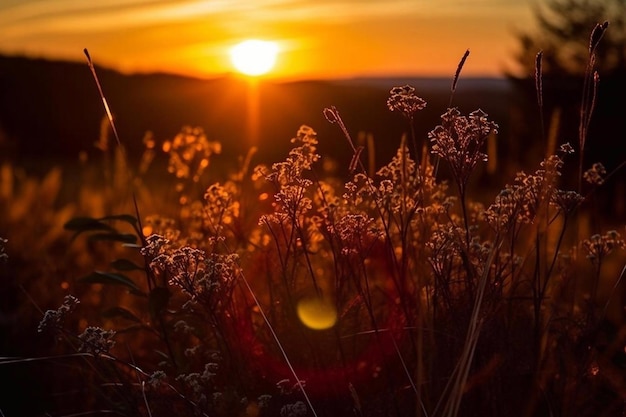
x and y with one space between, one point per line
254 57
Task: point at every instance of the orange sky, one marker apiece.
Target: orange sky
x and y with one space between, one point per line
318 38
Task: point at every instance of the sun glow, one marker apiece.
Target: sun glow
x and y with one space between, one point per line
254 57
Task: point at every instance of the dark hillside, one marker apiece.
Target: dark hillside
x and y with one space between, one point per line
52 110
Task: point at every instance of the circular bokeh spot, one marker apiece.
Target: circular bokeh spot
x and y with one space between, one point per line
317 313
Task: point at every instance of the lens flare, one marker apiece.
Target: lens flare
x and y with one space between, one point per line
317 313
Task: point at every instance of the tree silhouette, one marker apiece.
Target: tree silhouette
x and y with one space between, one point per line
563 35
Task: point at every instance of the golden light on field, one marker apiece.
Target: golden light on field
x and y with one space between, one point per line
317 313
254 57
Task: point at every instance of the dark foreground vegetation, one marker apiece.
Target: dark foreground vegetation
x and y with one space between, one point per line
320 285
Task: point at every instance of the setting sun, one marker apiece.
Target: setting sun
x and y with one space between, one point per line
254 57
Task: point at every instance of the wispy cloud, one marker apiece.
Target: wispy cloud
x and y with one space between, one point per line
64 16
135 33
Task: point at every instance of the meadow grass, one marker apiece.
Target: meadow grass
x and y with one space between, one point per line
283 290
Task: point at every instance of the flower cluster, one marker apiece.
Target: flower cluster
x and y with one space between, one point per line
155 245
445 250
291 198
356 232
297 409
598 246
459 139
53 319
221 205
300 159
189 153
595 175
566 201
404 100
96 340
360 191
195 272
518 203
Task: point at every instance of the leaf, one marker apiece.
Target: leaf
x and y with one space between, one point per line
162 354
125 265
157 301
115 237
132 245
84 224
130 219
121 312
135 328
99 277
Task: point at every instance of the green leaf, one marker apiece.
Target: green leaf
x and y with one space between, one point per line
99 277
84 224
125 265
157 301
115 237
120 312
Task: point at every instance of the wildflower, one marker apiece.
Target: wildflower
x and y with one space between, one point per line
284 387
210 371
598 246
444 248
355 231
189 153
156 380
183 327
195 383
359 190
221 206
595 174
298 409
404 100
96 340
53 319
459 139
264 400
193 351
566 148
183 266
155 245
518 203
566 201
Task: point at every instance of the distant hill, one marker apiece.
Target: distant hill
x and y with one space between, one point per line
52 110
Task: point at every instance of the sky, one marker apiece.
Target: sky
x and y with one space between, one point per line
318 39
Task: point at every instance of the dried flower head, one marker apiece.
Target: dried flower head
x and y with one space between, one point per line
297 409
96 340
598 246
190 152
155 245
595 175
156 380
566 201
53 319
404 100
459 139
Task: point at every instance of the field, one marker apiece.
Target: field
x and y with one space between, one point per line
432 261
